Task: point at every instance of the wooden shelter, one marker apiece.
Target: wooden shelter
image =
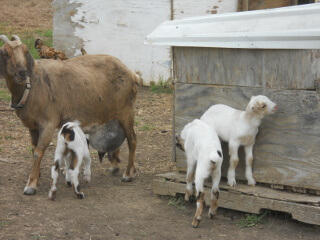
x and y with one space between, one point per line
228 58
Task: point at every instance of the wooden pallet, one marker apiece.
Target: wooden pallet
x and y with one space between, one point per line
302 207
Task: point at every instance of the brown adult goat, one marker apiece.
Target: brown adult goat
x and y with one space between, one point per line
92 89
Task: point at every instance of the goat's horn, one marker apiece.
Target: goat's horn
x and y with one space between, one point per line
4 38
15 37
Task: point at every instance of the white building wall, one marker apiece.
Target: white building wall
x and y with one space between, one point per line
119 28
188 8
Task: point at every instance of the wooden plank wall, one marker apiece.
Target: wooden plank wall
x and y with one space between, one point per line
287 150
276 69
247 5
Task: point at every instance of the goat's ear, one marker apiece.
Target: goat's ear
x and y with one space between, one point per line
30 64
2 66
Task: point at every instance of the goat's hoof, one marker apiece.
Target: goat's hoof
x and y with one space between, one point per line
211 214
80 195
52 195
114 170
252 182
127 179
232 183
29 191
87 178
195 222
186 197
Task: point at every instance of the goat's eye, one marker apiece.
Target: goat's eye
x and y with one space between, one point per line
264 106
5 54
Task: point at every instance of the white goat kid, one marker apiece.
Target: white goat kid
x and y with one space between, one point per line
204 158
72 147
239 128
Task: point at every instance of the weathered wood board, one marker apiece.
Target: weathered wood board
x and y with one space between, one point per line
241 201
275 69
263 4
287 149
257 191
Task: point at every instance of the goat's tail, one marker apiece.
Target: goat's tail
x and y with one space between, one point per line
83 51
218 158
137 78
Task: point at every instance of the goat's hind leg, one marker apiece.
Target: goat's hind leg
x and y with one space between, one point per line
74 173
127 126
199 180
114 160
190 178
87 166
216 176
54 176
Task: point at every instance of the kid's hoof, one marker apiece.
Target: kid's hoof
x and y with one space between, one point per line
80 196
52 195
211 215
195 223
252 183
87 178
29 191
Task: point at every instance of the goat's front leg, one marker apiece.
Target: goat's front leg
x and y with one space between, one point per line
249 162
216 176
234 160
45 136
34 134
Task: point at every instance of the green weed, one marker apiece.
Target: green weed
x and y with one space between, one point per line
252 219
179 202
9 137
161 87
38 236
3 223
5 96
146 127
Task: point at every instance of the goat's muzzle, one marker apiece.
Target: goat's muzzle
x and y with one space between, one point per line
21 76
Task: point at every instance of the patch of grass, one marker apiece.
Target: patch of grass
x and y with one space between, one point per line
28 36
5 96
3 223
146 127
9 137
38 236
136 122
252 219
161 86
1 152
29 149
178 202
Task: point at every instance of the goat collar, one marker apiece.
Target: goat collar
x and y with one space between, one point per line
24 96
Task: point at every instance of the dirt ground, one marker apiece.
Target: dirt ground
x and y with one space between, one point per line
111 209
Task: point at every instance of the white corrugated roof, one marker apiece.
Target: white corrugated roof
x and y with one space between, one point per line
296 27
